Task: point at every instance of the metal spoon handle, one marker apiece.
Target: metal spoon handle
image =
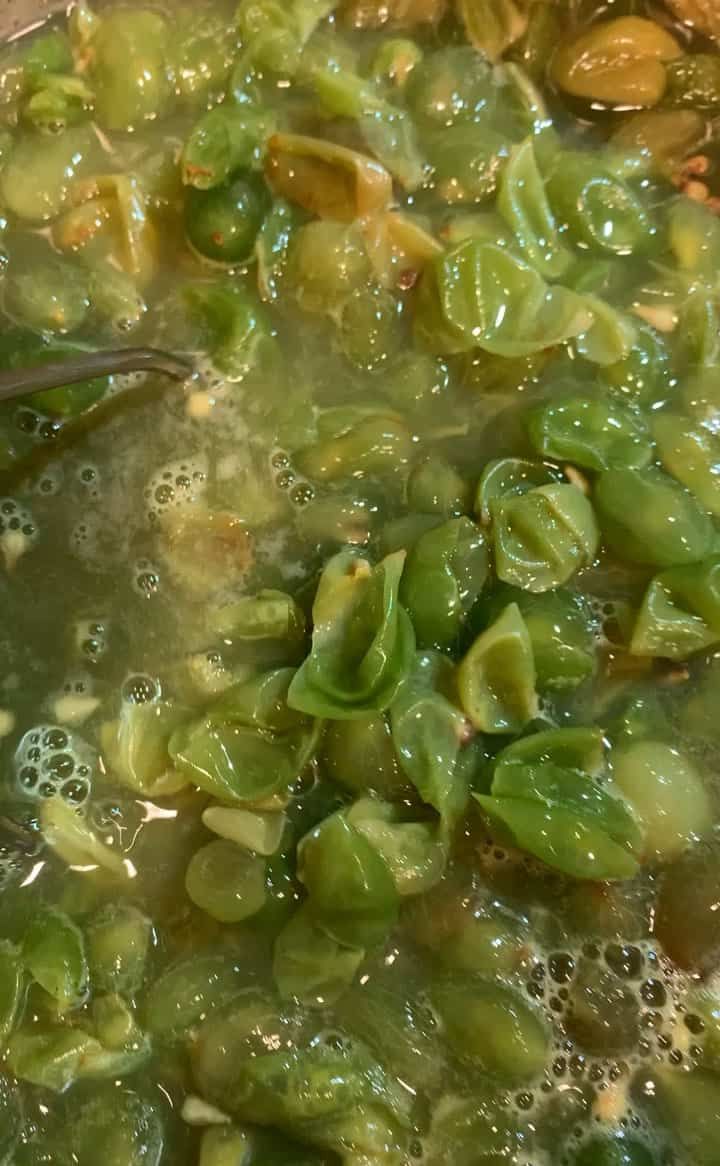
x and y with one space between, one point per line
84 366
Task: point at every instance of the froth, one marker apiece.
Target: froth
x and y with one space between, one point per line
176 484
52 760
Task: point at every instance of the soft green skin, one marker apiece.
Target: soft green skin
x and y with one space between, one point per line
358 702
125 96
34 183
226 882
666 527
310 966
118 939
11 1115
222 224
10 987
427 729
358 904
667 794
54 297
680 612
436 487
445 572
597 209
54 954
616 1152
379 647
689 453
544 537
224 141
496 679
523 203
326 262
491 1026
360 755
560 627
129 1130
687 1104
590 433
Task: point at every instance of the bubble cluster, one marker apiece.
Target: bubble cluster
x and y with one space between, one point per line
175 485
88 475
36 425
91 637
16 518
50 760
82 538
140 688
300 491
50 483
146 578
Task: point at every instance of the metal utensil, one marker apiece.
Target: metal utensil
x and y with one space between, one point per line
84 366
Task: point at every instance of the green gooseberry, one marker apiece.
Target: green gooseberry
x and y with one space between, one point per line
222 224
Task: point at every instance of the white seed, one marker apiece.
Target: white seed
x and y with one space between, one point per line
73 709
196 1112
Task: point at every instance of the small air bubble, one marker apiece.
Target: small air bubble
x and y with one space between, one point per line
48 430
164 495
75 791
625 960
653 993
561 966
28 776
55 739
